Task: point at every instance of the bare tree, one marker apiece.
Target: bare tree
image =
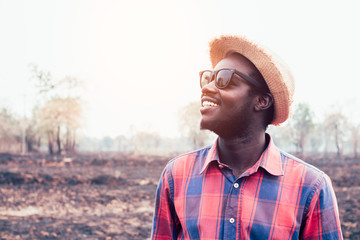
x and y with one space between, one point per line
316 138
301 125
49 87
44 81
32 136
335 126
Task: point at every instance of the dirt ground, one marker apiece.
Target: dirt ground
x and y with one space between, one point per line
111 196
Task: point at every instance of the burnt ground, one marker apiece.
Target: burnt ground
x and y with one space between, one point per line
111 196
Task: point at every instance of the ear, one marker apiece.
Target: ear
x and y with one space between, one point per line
263 102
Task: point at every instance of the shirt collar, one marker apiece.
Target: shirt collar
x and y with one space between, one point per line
270 159
213 155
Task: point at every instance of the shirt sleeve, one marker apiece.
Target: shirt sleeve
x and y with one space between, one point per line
166 224
322 219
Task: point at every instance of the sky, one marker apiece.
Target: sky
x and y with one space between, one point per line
139 60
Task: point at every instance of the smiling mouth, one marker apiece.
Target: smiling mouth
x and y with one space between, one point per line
209 104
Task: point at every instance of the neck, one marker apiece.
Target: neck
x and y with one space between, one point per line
241 152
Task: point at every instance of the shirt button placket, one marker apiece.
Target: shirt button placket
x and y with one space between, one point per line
231 211
232 220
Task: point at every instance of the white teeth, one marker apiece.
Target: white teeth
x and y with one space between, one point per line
207 104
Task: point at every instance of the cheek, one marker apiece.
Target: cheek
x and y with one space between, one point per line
237 102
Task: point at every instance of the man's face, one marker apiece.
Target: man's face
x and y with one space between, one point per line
229 112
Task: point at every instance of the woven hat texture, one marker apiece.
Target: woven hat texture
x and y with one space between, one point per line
275 72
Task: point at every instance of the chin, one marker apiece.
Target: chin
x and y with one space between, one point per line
222 129
205 125
211 126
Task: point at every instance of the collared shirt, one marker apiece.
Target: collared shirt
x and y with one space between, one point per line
280 197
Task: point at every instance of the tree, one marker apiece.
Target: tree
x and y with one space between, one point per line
106 143
189 124
335 126
59 119
49 87
32 135
121 143
316 138
10 132
301 125
58 111
45 83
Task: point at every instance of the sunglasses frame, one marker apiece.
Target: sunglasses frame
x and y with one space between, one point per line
232 70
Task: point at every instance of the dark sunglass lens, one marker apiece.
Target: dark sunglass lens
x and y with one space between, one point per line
223 78
205 78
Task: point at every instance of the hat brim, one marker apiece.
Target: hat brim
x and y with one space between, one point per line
275 72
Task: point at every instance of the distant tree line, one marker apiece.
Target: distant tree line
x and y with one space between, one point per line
140 142
57 117
303 134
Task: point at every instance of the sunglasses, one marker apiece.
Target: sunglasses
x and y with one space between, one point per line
223 77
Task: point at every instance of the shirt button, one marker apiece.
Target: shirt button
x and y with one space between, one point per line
236 185
231 220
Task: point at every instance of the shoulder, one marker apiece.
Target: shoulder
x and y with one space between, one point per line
183 167
312 181
317 196
310 178
311 174
185 162
297 165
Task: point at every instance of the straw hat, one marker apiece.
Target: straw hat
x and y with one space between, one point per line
275 72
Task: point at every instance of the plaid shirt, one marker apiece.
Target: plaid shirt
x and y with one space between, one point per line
280 197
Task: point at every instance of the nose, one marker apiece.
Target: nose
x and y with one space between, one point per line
209 88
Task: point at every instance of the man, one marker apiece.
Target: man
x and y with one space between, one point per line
244 187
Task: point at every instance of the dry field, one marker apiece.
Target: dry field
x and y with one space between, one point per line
112 196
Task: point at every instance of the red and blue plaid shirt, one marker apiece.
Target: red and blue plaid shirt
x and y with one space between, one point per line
280 197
